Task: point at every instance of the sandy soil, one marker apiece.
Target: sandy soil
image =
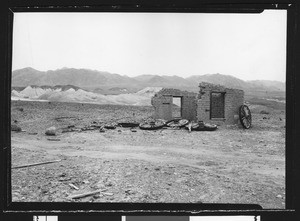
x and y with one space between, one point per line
230 165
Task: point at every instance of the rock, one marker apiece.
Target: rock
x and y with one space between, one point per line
264 112
279 196
128 174
32 133
108 184
133 130
62 175
21 109
51 131
16 128
97 196
53 139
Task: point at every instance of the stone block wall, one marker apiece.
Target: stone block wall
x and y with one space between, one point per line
197 107
233 99
163 101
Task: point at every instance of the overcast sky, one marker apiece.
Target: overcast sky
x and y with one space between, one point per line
247 46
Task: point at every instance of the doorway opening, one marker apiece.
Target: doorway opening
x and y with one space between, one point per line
176 107
217 105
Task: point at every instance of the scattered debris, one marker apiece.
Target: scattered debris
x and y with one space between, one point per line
62 175
73 186
177 123
51 131
86 182
201 126
53 139
16 128
152 124
129 124
32 133
85 194
35 164
110 126
108 194
65 130
64 179
264 112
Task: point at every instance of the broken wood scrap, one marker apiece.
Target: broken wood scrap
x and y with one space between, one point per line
85 194
108 194
35 164
32 133
73 186
53 139
70 129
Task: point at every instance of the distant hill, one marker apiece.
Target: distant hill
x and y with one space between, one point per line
271 85
107 83
69 93
67 76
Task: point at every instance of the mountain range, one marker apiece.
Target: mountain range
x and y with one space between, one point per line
109 83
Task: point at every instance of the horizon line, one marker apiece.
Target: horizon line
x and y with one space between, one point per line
148 74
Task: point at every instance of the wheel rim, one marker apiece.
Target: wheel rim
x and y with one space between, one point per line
245 116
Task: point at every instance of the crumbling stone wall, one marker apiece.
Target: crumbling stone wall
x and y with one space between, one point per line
233 99
201 107
163 101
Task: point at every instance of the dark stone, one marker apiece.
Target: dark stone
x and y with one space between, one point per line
16 128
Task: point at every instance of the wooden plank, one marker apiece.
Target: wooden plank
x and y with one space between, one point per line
73 186
35 164
85 194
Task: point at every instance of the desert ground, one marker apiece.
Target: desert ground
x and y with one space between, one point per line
229 165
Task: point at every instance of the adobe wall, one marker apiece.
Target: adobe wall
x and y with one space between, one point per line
162 103
233 99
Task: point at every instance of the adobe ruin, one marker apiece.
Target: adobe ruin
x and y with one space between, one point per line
213 104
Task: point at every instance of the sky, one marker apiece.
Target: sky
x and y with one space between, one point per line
246 46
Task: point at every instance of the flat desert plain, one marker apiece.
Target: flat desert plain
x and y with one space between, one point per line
229 165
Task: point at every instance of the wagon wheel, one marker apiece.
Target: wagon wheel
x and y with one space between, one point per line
245 116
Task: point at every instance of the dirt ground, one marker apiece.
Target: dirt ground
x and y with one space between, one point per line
229 165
